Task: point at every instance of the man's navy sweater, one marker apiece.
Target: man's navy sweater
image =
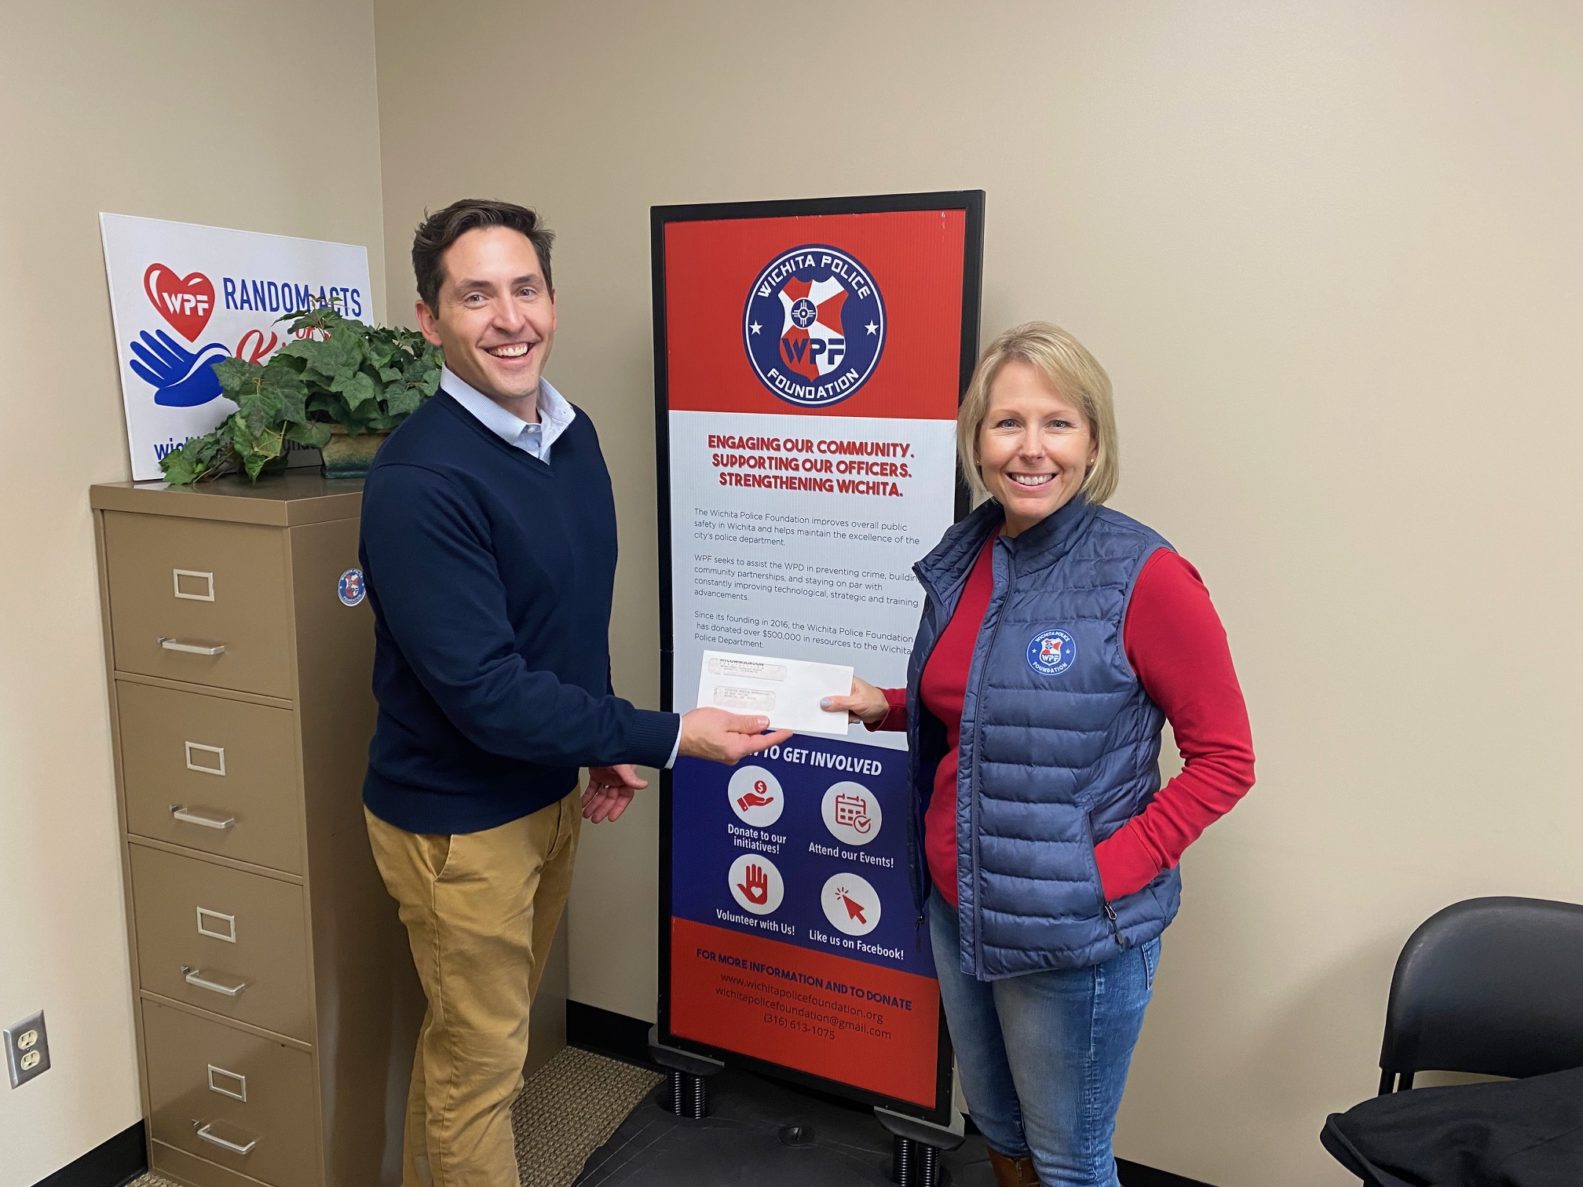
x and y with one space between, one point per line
490 574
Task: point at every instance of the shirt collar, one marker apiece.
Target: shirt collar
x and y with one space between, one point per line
555 413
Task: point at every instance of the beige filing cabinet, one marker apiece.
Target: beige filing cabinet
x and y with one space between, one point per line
276 1002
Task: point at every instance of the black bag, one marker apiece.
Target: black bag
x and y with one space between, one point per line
1515 1133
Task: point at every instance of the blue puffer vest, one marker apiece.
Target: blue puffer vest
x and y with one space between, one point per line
1059 747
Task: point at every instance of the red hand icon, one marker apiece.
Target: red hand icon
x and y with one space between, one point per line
757 887
754 800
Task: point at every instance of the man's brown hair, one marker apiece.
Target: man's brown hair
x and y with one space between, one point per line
439 230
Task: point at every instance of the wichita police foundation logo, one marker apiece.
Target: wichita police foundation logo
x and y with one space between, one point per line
1052 652
351 588
815 326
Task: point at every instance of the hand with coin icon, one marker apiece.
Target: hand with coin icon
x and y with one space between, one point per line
755 798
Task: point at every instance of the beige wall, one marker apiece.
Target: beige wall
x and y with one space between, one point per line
230 113
1331 256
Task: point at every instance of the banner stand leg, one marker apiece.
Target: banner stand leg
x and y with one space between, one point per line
918 1146
686 1086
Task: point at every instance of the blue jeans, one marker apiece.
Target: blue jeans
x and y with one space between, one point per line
1044 1056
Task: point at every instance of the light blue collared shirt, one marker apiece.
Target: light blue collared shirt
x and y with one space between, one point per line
555 415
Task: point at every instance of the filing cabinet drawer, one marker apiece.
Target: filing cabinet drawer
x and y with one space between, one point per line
236 1100
211 774
198 601
221 939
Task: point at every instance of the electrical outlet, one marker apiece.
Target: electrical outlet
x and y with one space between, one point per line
26 1049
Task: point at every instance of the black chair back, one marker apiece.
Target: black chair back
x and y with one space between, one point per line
1491 986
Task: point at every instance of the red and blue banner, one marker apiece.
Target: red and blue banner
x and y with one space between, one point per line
809 360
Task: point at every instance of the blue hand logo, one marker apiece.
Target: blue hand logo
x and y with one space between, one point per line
180 378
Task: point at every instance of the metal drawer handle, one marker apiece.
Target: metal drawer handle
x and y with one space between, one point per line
197 980
188 816
215 1139
190 648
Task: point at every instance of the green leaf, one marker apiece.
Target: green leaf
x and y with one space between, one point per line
180 470
198 459
181 465
264 411
233 373
357 389
293 397
253 463
301 349
404 401
346 350
241 434
381 349
309 433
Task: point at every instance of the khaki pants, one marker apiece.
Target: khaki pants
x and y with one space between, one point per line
480 911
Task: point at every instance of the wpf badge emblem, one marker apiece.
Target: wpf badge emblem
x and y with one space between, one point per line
1052 652
815 326
351 588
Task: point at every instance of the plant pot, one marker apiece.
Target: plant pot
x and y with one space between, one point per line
349 456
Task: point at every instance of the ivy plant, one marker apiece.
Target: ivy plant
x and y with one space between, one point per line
336 371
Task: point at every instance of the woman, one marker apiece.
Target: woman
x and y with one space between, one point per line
1057 638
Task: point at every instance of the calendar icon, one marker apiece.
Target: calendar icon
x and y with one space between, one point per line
852 811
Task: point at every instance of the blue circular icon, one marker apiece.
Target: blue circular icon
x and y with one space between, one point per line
351 588
1052 652
814 326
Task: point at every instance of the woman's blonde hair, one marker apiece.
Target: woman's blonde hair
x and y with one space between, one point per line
1070 370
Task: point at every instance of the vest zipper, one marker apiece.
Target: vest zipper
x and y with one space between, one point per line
920 881
1115 930
973 781
1104 903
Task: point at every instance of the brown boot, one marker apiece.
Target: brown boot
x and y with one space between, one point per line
1012 1172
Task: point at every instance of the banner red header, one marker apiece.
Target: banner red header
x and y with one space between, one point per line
837 315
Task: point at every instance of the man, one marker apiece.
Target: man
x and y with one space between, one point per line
489 548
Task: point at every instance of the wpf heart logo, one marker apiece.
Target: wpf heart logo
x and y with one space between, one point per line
186 302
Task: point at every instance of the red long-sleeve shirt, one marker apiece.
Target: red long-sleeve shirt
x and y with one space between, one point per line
1175 643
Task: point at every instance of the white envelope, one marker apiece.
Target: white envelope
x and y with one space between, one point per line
787 691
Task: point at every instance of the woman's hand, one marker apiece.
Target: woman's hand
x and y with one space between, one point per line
866 703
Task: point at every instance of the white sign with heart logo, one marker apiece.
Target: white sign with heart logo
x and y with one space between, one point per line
184 296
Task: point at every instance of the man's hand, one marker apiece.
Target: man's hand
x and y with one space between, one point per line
726 737
866 703
609 791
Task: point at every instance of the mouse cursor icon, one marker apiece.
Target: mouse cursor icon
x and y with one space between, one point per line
854 909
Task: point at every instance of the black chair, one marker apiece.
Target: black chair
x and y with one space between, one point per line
1491 986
